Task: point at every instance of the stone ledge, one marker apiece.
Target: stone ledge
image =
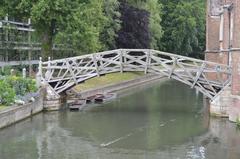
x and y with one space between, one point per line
17 113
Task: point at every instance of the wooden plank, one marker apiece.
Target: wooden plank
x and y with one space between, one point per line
95 63
148 61
198 74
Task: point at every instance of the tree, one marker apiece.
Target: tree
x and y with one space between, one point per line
48 16
83 27
134 33
92 25
113 24
156 32
78 22
17 9
154 7
184 27
2 14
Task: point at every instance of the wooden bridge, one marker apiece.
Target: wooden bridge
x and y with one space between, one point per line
208 77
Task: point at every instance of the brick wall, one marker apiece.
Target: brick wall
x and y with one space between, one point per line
236 54
215 48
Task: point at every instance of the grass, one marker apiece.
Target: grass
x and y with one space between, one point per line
2 107
107 80
238 122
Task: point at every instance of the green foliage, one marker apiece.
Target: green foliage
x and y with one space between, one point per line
84 26
7 93
134 33
47 17
92 25
155 10
113 24
156 32
19 9
22 85
12 86
238 122
5 71
2 14
184 26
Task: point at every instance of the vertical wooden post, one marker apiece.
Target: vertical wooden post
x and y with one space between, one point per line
47 74
148 61
173 67
124 56
96 64
121 61
12 72
24 75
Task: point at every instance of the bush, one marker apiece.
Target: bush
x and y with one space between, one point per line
7 93
13 86
22 85
6 71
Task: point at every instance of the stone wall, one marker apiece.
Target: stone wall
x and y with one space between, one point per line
220 106
16 113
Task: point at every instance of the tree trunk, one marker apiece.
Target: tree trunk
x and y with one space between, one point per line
47 41
46 45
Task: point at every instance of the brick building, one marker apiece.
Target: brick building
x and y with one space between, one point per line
223 46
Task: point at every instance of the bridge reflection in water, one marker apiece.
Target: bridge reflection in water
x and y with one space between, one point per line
161 120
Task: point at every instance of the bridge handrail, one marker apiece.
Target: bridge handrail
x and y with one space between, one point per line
138 50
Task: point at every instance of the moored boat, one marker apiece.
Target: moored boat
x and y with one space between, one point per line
78 104
104 97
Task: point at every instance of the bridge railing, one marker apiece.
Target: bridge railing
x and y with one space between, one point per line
208 77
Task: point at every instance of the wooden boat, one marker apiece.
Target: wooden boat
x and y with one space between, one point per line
90 99
77 105
71 100
104 97
98 98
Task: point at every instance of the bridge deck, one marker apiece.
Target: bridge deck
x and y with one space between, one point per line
208 77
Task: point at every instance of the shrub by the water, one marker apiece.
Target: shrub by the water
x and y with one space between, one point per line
22 85
13 86
7 93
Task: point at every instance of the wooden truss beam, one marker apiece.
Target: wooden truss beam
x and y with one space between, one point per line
62 74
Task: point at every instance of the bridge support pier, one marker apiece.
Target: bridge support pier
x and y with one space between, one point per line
220 105
226 105
234 113
52 101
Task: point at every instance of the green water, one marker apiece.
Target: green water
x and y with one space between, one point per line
162 120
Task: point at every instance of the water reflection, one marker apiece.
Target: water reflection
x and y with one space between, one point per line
166 120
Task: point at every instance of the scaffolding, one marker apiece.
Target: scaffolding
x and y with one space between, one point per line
20 44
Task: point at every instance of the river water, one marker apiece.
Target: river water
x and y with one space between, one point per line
162 120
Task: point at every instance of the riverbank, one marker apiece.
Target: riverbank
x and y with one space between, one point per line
16 113
108 79
13 114
117 86
3 107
